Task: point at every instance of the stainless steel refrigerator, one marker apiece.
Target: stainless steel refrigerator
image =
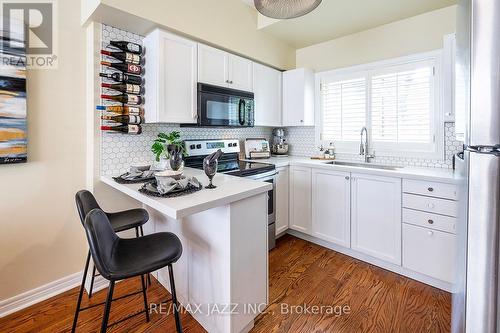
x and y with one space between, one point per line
476 306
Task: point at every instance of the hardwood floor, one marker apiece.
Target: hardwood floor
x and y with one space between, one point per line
360 298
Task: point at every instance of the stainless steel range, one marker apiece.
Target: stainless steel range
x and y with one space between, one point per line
230 164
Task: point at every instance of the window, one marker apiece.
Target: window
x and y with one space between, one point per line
396 100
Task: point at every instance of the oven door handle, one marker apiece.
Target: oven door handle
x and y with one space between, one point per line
241 112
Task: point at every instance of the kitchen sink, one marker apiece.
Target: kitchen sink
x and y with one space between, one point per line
364 165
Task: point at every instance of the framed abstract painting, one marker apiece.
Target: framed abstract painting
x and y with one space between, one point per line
13 122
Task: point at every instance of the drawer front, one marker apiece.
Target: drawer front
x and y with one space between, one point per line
431 205
433 189
429 220
429 252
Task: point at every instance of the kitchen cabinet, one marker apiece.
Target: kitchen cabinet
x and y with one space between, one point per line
170 84
331 211
300 199
224 69
429 252
267 90
376 216
282 199
298 97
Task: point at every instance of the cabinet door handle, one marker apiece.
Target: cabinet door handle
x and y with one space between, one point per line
430 189
430 221
430 233
301 121
346 177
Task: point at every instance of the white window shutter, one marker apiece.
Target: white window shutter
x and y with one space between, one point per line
343 106
401 106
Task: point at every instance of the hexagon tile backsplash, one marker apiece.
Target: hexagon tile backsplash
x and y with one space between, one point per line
301 140
118 151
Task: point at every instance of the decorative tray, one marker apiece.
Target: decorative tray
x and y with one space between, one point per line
150 189
120 179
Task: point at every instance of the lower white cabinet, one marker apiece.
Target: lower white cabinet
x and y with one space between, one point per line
429 252
331 211
282 199
300 199
376 216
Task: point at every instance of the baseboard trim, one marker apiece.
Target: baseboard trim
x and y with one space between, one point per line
30 297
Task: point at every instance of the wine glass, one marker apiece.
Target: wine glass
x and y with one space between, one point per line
210 168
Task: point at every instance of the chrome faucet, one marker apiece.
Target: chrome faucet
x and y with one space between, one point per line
363 146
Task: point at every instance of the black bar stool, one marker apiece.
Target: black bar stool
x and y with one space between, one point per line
120 221
118 258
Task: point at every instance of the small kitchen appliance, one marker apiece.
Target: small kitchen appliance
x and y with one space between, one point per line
257 148
279 147
224 107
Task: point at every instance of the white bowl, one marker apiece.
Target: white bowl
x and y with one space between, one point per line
169 174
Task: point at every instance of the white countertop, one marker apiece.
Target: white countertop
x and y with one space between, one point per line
229 189
430 174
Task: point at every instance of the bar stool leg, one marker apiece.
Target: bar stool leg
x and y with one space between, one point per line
174 300
107 307
145 297
91 290
149 276
82 286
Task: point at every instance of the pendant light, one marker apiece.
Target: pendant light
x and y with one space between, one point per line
285 9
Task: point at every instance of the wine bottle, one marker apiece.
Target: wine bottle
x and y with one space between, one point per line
123 78
127 129
130 58
126 68
125 119
125 88
127 46
122 110
124 98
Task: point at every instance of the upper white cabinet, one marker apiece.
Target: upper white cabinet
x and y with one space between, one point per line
300 199
331 211
213 66
282 200
267 90
223 69
376 216
240 73
170 85
298 97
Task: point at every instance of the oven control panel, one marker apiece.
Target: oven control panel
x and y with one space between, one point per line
206 147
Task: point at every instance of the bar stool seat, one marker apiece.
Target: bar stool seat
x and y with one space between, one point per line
137 256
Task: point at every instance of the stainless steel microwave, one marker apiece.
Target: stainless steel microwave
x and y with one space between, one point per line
221 107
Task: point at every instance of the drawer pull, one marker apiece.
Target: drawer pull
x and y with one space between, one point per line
430 189
346 177
431 221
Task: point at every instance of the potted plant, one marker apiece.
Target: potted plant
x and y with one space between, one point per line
170 146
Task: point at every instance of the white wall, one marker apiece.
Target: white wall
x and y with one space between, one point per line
413 35
41 237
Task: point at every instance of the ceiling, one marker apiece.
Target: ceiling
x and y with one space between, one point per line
336 18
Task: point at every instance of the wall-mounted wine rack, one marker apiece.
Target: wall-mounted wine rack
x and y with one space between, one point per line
122 87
